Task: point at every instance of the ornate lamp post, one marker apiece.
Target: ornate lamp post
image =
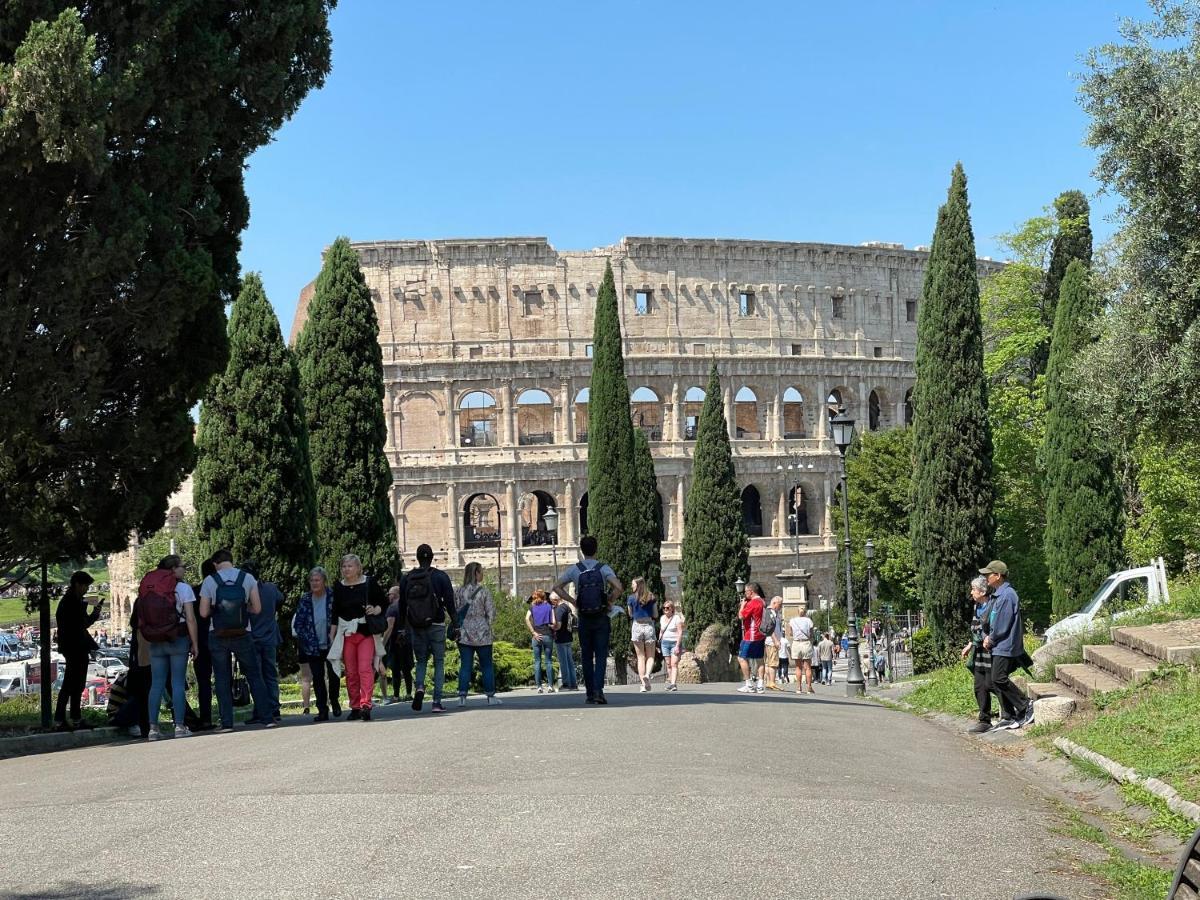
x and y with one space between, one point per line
842 427
869 552
551 518
795 464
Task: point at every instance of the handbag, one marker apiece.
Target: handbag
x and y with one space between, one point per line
971 660
240 688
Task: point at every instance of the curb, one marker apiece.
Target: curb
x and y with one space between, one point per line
1126 775
27 744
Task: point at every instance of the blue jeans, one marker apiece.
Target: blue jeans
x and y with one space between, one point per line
827 671
566 665
466 660
223 651
169 658
426 642
543 649
595 631
270 673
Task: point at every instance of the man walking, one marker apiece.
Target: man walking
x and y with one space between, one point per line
753 646
1005 641
566 620
264 633
74 643
597 588
427 604
228 599
825 650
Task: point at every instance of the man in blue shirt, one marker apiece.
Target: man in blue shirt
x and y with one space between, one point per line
595 618
264 634
1005 640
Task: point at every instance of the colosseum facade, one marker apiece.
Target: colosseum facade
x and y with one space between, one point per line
487 357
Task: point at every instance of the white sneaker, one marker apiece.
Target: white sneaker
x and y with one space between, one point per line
643 689
540 691
549 690
746 688
494 701
758 686
153 735
462 701
135 731
182 731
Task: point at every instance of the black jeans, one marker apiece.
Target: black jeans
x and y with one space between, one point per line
321 671
983 693
74 678
595 631
1013 704
202 667
401 661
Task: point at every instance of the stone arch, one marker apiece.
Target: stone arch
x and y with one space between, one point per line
583 511
747 414
580 411
908 407
839 396
646 408
693 402
532 509
801 509
535 417
752 516
793 414
482 525
418 422
421 522
174 517
477 420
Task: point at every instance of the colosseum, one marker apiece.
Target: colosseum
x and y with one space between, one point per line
487 357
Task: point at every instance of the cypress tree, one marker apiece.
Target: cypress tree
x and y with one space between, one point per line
253 482
1072 241
1084 522
716 549
341 377
952 521
647 547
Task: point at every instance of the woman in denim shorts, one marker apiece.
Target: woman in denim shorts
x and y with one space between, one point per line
641 613
671 631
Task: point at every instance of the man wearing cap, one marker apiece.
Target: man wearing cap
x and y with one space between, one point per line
1005 641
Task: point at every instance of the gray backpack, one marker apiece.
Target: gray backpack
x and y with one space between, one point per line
769 621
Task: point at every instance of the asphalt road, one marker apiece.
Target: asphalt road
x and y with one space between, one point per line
704 793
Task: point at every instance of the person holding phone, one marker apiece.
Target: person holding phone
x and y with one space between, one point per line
75 643
671 640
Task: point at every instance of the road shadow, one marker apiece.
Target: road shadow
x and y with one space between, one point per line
73 890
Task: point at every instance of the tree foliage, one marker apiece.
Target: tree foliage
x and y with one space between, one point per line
254 490
1167 523
716 549
189 544
124 133
647 546
341 379
952 520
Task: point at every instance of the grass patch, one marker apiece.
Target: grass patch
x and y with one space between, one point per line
949 690
12 612
1130 880
1163 818
1153 728
23 715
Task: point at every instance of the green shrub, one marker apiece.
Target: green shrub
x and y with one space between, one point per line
513 665
925 654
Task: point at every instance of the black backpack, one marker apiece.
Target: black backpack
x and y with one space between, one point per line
769 622
592 590
420 604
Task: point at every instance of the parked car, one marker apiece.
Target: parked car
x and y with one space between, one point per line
107 667
1120 595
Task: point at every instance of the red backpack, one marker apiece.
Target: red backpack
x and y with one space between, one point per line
158 618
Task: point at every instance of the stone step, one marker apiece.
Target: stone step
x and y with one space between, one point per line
1087 680
1170 641
1120 661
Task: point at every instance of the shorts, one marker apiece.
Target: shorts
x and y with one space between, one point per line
643 632
752 649
772 655
802 650
668 648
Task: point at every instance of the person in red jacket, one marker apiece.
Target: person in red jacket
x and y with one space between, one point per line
753 647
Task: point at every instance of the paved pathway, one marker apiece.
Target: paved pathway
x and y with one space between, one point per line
699 793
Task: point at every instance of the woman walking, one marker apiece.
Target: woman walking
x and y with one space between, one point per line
981 663
476 612
671 631
802 649
312 626
354 598
642 607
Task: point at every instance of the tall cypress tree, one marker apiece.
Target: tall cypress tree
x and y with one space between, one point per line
341 375
1084 521
952 521
1072 241
647 547
716 549
253 482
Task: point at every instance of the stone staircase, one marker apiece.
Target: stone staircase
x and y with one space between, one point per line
1136 651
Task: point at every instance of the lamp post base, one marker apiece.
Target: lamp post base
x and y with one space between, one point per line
855 687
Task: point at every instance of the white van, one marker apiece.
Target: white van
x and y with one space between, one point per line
1119 595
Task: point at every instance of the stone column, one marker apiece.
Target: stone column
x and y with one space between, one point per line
899 420
675 428
679 491
389 396
508 434
568 516
864 407
451 415
794 586
775 426
822 410
514 526
453 543
729 422
827 513
568 420
781 522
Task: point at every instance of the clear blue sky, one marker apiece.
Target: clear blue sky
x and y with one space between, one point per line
585 122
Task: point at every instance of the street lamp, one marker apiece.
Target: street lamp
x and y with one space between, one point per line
795 464
869 553
794 522
551 517
842 427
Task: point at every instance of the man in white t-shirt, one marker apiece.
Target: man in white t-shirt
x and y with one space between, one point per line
229 639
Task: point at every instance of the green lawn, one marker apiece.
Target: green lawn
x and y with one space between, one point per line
12 612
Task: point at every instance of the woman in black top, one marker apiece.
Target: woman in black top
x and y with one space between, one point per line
354 598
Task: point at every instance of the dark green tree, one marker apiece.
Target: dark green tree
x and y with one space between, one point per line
952 521
1072 240
341 377
614 513
124 134
254 490
716 549
1084 521
647 547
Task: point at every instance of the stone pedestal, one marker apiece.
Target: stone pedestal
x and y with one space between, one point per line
794 583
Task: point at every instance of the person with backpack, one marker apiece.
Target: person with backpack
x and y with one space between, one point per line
398 648
75 643
228 598
475 612
428 607
264 632
358 606
202 661
167 624
539 621
671 641
311 626
596 590
772 628
642 606
802 649
566 620
752 649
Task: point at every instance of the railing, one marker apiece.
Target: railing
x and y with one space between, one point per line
527 440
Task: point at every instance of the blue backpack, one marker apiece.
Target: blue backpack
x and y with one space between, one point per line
592 590
230 613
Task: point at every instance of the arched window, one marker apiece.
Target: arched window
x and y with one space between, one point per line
798 510
752 511
535 418
745 415
533 519
583 510
793 414
481 521
908 407
873 411
477 420
646 409
693 402
581 416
